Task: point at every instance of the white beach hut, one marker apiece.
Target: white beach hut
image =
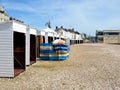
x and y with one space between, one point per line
12 48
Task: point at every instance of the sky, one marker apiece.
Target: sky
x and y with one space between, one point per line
85 16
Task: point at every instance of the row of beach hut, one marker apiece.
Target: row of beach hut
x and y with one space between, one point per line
19 46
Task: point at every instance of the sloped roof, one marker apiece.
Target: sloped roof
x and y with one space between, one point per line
49 30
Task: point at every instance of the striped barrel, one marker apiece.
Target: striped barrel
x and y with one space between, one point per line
60 56
46 51
61 47
61 52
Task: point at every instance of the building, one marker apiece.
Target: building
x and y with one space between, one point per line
108 36
74 36
99 36
112 36
3 15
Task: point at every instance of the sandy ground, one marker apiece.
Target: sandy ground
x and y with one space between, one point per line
90 67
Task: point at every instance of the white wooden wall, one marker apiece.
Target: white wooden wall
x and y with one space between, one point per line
6 50
27 46
19 27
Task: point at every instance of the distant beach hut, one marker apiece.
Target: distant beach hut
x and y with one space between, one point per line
49 35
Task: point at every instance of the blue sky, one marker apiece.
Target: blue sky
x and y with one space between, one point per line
85 16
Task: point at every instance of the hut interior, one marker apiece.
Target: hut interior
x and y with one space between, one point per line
19 52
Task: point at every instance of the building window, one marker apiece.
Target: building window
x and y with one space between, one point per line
112 33
99 33
61 33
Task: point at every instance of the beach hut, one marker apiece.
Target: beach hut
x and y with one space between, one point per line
72 41
12 48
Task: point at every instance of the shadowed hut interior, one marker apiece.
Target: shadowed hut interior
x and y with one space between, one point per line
32 49
50 39
19 52
40 39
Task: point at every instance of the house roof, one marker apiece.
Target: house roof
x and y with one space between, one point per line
67 30
49 30
111 30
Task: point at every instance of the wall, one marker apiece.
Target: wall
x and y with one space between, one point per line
112 39
6 50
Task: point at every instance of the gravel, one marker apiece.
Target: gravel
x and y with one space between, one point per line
89 67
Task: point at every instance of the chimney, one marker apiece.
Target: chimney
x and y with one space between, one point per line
56 27
61 27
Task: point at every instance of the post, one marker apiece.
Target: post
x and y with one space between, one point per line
53 36
27 46
46 37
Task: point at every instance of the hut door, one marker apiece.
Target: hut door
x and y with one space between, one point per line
32 49
19 52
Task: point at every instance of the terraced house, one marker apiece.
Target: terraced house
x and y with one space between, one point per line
74 36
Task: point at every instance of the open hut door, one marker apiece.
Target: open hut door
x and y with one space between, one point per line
39 41
19 52
32 49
